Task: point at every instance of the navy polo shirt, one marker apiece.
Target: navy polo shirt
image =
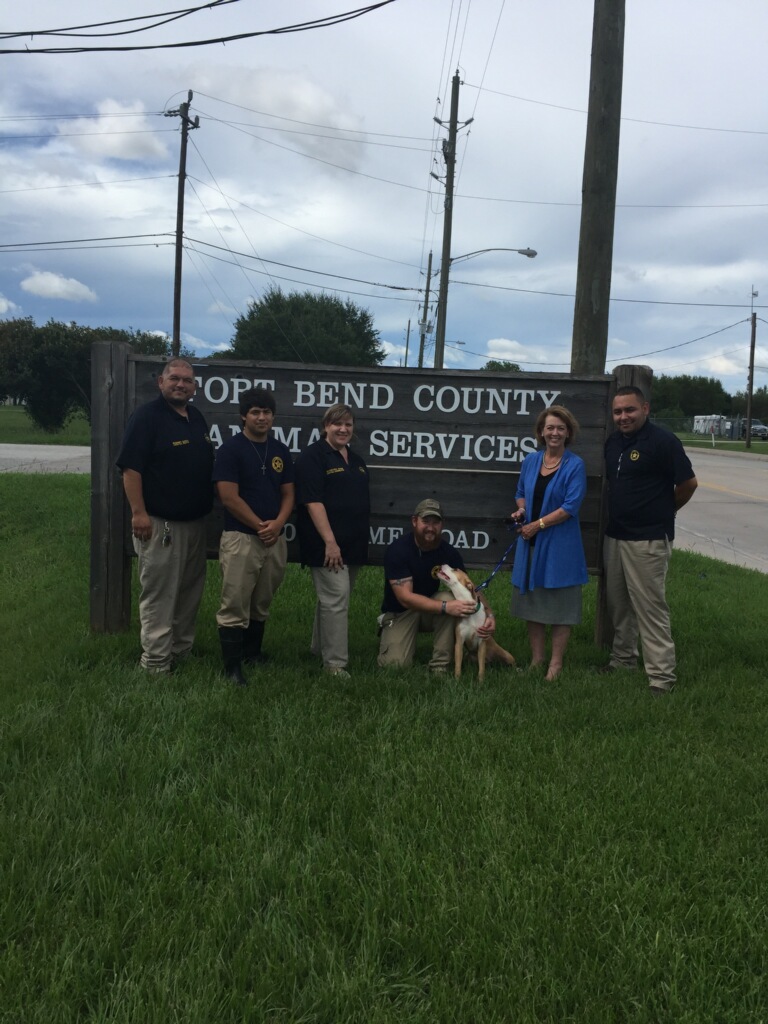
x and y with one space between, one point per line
322 475
241 461
174 456
405 560
642 471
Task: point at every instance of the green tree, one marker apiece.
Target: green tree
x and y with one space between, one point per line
307 328
49 367
502 366
694 395
759 403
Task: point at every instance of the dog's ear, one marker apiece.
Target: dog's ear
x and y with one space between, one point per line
470 586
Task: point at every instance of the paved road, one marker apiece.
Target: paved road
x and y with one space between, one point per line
727 518
44 458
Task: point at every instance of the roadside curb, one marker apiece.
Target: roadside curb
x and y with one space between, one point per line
754 456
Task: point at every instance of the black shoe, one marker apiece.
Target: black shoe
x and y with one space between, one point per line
232 652
252 639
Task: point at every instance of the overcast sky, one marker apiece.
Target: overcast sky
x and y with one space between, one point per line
315 150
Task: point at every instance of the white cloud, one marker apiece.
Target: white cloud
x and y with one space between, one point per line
120 132
204 346
264 191
8 308
54 286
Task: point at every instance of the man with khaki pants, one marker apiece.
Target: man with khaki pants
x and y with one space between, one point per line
254 479
166 461
649 479
412 604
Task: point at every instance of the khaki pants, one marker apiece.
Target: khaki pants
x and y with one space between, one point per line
635 578
398 638
172 578
250 576
330 630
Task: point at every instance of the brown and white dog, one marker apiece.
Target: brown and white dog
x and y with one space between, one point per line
463 589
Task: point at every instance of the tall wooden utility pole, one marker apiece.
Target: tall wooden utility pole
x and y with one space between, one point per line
423 323
598 204
751 379
449 155
186 125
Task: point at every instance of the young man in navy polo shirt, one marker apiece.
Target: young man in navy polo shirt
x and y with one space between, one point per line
254 478
649 479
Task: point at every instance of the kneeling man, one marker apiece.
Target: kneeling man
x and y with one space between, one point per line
412 603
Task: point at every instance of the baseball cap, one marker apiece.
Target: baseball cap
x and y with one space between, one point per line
428 507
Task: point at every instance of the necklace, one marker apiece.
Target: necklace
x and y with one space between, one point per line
266 452
554 464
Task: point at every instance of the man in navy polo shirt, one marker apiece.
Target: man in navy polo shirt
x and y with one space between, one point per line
166 462
254 477
649 479
411 602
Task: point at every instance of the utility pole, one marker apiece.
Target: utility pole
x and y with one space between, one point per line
186 125
751 380
449 155
407 343
423 323
598 204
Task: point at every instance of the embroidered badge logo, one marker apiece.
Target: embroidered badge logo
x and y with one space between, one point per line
634 455
277 464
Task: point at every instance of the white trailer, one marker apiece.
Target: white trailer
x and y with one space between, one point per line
710 424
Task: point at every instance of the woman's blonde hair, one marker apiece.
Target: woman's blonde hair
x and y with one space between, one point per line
562 414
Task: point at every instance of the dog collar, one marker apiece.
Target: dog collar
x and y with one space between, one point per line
479 606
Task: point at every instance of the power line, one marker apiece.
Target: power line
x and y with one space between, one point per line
306 26
19 246
311 135
682 344
635 120
304 270
309 234
165 18
312 124
91 117
76 135
305 284
570 295
87 184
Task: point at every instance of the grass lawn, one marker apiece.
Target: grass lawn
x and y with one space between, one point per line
17 427
390 849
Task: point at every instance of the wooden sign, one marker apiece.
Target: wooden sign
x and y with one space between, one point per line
458 436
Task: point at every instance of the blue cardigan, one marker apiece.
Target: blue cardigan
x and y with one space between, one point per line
558 554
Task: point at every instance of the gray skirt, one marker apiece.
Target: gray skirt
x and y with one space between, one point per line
560 606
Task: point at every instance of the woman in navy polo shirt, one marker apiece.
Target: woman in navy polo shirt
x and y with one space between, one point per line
332 524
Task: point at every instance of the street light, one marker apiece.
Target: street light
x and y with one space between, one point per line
442 296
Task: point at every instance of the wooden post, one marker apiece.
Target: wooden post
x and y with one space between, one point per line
110 560
598 190
640 377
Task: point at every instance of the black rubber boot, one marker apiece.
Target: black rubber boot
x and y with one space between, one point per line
252 653
232 653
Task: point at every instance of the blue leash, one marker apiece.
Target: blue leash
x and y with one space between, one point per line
484 584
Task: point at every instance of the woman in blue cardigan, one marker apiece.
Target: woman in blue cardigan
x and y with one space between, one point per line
550 568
